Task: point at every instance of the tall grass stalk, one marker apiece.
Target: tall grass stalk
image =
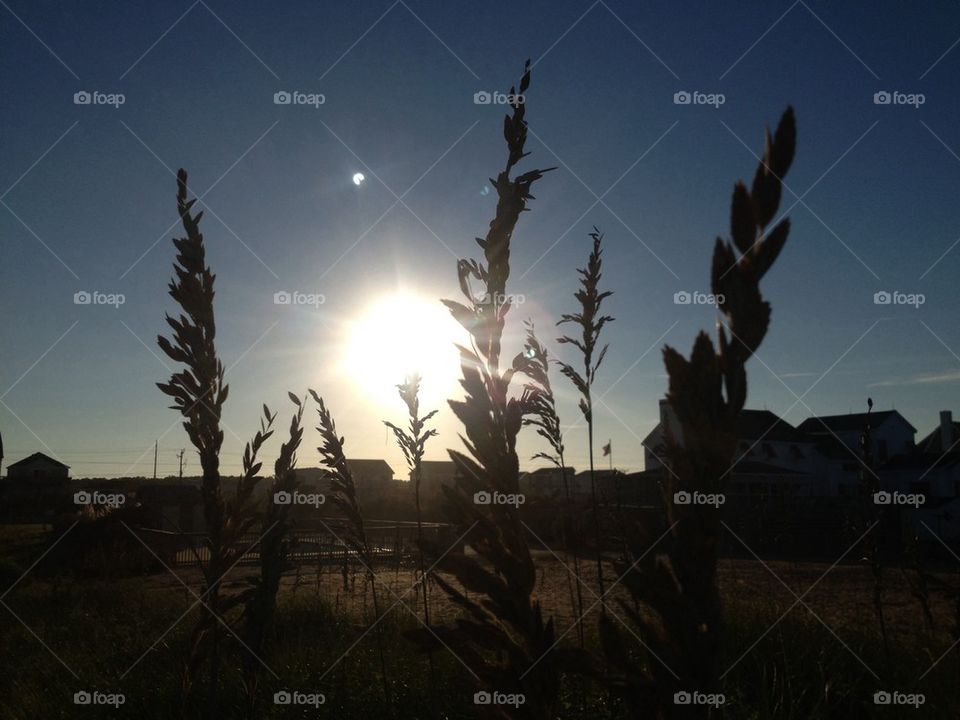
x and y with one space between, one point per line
412 443
198 393
676 585
355 536
872 514
260 600
591 323
543 416
502 638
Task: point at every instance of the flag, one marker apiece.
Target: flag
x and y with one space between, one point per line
606 448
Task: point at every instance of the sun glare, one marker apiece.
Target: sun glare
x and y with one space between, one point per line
399 335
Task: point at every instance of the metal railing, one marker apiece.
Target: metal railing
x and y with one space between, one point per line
388 540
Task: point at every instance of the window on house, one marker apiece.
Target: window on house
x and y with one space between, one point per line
882 450
769 451
796 453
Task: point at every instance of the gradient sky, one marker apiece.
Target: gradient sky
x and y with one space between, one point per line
88 200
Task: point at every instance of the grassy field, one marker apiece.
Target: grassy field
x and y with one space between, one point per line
61 635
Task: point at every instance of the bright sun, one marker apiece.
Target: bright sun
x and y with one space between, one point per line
401 334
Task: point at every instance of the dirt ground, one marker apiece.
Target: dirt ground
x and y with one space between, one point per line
840 596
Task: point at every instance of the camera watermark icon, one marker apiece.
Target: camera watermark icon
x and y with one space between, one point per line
95 497
682 297
94 697
498 498
294 297
295 97
884 697
95 97
696 497
295 697
685 697
895 97
298 498
514 700
884 297
684 97
95 297
500 299
497 98
898 498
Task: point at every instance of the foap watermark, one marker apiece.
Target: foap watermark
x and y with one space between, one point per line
500 299
886 697
685 697
295 97
95 497
483 97
295 297
95 697
895 97
898 498
682 297
298 498
685 97
696 497
95 97
95 297
498 498
295 697
514 700
884 297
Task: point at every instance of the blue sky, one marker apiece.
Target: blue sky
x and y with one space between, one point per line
88 199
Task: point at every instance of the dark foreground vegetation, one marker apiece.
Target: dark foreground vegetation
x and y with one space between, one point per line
648 624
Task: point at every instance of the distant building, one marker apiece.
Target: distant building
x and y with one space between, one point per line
38 467
750 478
890 433
35 488
936 470
370 476
772 456
945 439
838 442
313 479
609 485
762 437
433 475
768 440
547 482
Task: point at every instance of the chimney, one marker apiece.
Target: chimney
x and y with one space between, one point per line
946 430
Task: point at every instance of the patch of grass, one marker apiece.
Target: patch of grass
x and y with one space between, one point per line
797 670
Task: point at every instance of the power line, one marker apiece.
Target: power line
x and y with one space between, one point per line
86 451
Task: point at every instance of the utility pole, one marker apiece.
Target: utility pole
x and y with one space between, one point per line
180 456
156 444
